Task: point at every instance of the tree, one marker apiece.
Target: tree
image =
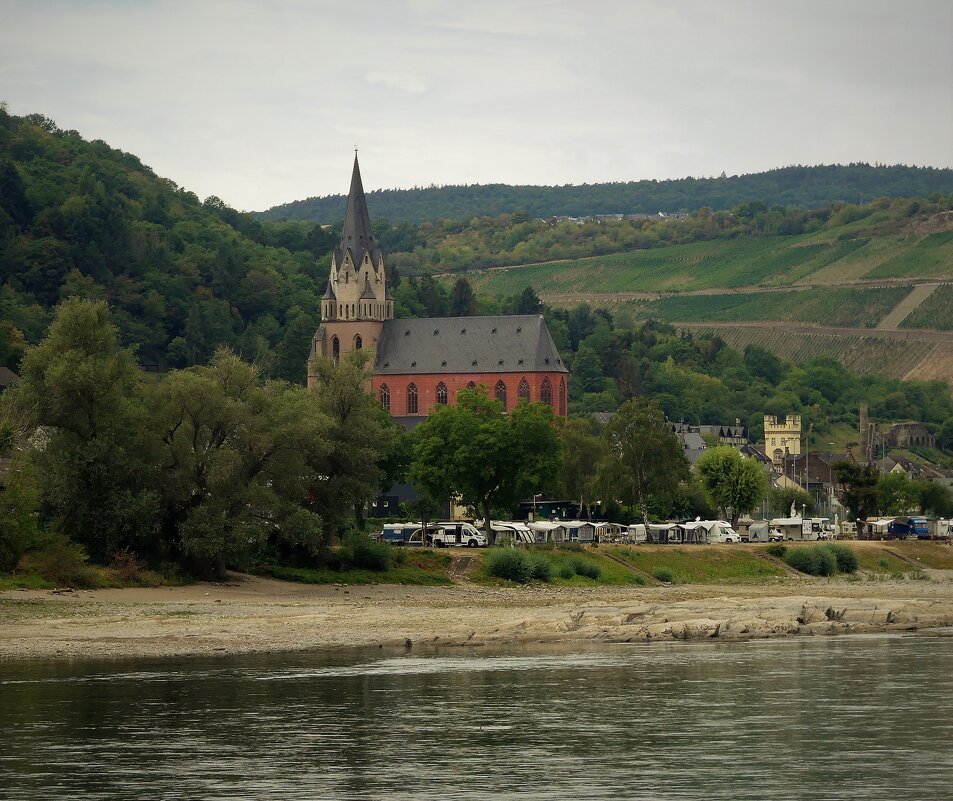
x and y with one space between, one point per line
361 442
935 499
583 452
736 483
19 504
857 488
587 371
528 302
490 459
85 392
782 499
644 458
897 494
237 457
463 302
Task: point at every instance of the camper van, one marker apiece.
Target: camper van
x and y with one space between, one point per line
904 527
457 534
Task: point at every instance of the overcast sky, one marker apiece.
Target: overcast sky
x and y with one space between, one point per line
262 102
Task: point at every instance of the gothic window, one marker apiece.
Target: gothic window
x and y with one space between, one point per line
524 389
442 393
335 349
546 392
358 342
471 385
562 397
385 396
500 393
412 399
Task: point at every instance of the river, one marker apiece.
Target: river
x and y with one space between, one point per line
866 717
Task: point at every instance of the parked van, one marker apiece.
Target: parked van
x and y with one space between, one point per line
457 534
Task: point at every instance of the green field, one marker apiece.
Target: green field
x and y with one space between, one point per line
700 565
728 264
853 308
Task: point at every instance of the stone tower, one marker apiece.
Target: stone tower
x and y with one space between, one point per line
357 299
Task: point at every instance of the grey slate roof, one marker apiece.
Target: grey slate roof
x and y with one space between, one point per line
357 235
368 293
329 292
502 344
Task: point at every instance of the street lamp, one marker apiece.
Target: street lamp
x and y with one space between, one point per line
538 495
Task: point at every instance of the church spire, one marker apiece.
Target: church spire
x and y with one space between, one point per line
357 234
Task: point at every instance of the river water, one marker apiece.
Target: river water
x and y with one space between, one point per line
820 718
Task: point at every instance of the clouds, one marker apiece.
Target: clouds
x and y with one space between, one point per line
260 103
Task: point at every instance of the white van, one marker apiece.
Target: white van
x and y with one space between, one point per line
458 534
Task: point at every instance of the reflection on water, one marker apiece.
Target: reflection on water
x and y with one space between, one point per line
864 718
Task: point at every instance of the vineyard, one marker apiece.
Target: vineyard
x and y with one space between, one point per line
851 308
930 256
894 358
935 312
729 264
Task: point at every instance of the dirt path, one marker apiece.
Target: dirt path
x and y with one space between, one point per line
905 307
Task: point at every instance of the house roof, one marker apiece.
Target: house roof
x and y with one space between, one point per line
7 377
500 344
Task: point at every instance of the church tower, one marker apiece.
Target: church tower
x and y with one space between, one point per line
357 299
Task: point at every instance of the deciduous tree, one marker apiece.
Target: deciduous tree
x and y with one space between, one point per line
736 483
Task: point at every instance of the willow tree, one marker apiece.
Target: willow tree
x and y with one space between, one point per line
645 458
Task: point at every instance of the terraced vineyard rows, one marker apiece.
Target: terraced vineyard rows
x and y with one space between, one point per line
768 261
861 354
935 312
930 256
853 308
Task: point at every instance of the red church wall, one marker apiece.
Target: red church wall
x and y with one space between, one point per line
426 384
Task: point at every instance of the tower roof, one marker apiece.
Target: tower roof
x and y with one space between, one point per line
368 293
357 234
329 292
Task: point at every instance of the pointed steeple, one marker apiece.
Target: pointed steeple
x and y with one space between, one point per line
357 222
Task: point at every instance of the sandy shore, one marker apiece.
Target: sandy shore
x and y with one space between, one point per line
261 615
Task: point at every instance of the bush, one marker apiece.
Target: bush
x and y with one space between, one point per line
566 570
583 567
664 574
846 559
64 563
509 564
816 560
361 552
777 549
540 568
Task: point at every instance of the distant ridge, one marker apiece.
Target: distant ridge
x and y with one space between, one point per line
806 187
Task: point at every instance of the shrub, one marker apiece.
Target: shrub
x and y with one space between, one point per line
663 574
566 570
814 561
846 559
884 564
583 567
361 552
640 580
64 563
540 568
506 563
777 549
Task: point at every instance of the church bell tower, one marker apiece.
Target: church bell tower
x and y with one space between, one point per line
357 299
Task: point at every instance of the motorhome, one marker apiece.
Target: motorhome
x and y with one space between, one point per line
404 534
719 532
793 528
457 534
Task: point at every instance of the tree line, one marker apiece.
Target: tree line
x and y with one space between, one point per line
796 185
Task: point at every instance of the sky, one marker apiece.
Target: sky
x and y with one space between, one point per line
262 103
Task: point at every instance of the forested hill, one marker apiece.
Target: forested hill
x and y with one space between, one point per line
182 276
805 187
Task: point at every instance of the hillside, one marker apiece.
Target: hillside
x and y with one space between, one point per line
182 276
800 186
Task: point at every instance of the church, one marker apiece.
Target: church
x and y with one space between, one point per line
421 363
